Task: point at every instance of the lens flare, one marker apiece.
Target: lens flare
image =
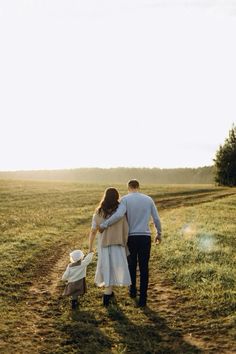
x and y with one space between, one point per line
207 242
188 231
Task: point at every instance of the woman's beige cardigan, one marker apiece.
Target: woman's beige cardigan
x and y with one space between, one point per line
116 234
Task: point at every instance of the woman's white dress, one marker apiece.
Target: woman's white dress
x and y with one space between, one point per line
112 266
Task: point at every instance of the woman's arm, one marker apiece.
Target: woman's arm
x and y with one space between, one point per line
91 239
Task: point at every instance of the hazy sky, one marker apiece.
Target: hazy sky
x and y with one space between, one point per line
115 82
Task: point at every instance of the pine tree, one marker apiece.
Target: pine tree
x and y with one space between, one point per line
225 161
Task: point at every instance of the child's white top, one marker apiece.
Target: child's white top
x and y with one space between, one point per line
77 272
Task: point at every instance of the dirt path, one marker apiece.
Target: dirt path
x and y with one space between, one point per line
36 327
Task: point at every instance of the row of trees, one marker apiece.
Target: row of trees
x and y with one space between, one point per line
199 175
225 161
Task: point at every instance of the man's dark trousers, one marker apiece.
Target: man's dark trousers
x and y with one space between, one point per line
139 248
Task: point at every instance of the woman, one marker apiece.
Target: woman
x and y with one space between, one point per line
112 266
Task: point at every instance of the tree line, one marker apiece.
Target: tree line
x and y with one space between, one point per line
225 161
201 175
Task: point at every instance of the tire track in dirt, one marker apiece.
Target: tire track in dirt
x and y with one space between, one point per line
46 290
191 199
39 311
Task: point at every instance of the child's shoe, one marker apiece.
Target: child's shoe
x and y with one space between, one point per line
74 304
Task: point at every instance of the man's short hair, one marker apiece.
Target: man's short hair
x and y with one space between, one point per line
133 183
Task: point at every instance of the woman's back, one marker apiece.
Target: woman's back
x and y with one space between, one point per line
117 234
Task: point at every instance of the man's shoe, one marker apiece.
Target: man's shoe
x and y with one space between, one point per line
142 303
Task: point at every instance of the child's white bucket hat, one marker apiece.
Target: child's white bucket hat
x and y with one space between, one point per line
76 255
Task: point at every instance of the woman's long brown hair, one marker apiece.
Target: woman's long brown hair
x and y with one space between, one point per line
109 202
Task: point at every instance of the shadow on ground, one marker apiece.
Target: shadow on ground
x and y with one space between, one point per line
83 335
152 337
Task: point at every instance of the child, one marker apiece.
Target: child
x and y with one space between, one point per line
75 275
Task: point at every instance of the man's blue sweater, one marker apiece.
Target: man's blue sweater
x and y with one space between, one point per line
139 208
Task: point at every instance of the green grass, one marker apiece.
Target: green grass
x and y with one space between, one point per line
199 255
192 285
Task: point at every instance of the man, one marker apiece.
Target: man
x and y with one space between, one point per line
139 208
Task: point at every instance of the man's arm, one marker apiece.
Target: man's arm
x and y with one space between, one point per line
120 212
157 221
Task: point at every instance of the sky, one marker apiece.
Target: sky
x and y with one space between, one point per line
111 83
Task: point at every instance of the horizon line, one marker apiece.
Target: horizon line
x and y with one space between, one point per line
102 168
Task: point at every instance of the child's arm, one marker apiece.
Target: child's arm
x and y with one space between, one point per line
66 274
87 259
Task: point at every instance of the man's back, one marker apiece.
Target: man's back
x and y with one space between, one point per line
139 209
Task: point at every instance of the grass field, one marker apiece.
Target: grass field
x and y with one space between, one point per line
191 305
